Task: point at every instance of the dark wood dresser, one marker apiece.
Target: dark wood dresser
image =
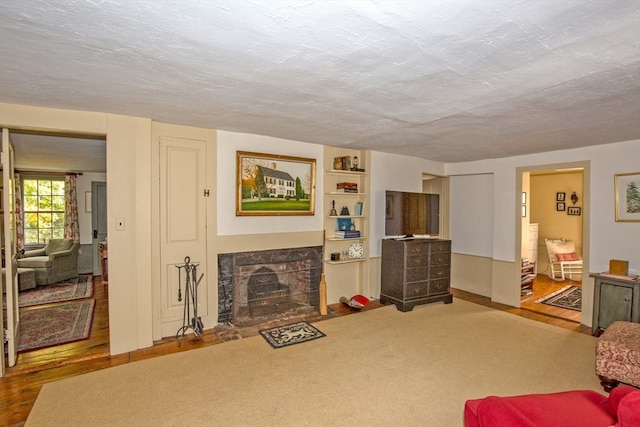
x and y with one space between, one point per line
415 271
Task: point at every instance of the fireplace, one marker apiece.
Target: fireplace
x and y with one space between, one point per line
261 286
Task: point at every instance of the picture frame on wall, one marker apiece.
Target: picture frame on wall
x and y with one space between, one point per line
574 210
560 197
627 197
274 185
560 206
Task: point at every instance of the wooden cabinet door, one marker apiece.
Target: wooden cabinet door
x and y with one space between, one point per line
615 304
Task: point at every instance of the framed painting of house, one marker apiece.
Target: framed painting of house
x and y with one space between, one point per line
627 189
269 184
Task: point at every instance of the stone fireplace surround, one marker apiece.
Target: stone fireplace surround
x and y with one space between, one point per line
297 270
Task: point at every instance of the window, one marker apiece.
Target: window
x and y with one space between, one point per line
43 209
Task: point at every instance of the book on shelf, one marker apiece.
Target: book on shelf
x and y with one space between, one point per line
347 234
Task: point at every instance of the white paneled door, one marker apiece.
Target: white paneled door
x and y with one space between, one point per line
7 208
182 227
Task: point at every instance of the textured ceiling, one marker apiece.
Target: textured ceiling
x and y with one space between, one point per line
443 80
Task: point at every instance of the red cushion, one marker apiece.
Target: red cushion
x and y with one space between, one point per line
568 257
580 408
629 410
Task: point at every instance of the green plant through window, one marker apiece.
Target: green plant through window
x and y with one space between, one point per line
43 210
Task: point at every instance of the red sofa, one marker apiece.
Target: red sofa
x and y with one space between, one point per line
579 408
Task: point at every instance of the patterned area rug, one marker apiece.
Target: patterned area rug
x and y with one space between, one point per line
569 297
295 333
57 324
79 288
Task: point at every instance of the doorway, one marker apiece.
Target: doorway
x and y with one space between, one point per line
544 207
84 155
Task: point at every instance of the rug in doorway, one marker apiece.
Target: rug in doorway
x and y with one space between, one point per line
569 297
294 333
56 324
77 288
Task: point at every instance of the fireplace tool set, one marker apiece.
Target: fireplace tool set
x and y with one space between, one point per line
190 298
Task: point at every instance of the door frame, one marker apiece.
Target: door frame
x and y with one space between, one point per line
587 285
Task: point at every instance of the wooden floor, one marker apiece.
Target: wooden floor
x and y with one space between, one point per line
22 383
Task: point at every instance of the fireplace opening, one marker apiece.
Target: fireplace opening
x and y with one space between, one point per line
266 295
261 286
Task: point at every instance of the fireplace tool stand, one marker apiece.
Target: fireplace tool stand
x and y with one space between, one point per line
190 298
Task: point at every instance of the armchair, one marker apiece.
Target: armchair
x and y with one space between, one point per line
563 259
57 261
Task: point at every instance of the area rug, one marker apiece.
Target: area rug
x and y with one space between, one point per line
428 362
56 324
569 297
294 333
73 289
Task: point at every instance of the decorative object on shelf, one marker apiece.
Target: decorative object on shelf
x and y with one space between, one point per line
627 189
335 256
344 224
344 211
333 209
274 185
573 210
560 206
560 197
574 198
356 250
359 208
355 163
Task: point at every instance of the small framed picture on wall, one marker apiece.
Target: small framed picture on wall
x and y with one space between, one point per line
560 206
573 210
560 197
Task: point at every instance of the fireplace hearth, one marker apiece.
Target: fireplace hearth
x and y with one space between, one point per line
261 286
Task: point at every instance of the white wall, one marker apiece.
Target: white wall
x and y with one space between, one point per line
398 173
228 222
608 239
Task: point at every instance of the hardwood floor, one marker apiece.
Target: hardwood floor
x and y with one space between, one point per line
22 383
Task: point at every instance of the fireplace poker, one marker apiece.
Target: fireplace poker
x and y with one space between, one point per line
191 297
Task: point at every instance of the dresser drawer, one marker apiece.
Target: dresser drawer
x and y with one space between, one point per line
438 286
440 258
417 260
441 247
416 247
439 272
416 274
416 290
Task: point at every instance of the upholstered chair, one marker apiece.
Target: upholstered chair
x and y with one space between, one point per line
56 262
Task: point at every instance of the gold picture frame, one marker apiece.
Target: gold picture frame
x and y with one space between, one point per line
274 185
627 197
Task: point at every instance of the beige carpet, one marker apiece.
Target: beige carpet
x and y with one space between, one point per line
376 368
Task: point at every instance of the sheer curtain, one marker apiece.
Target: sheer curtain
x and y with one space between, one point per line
71 227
